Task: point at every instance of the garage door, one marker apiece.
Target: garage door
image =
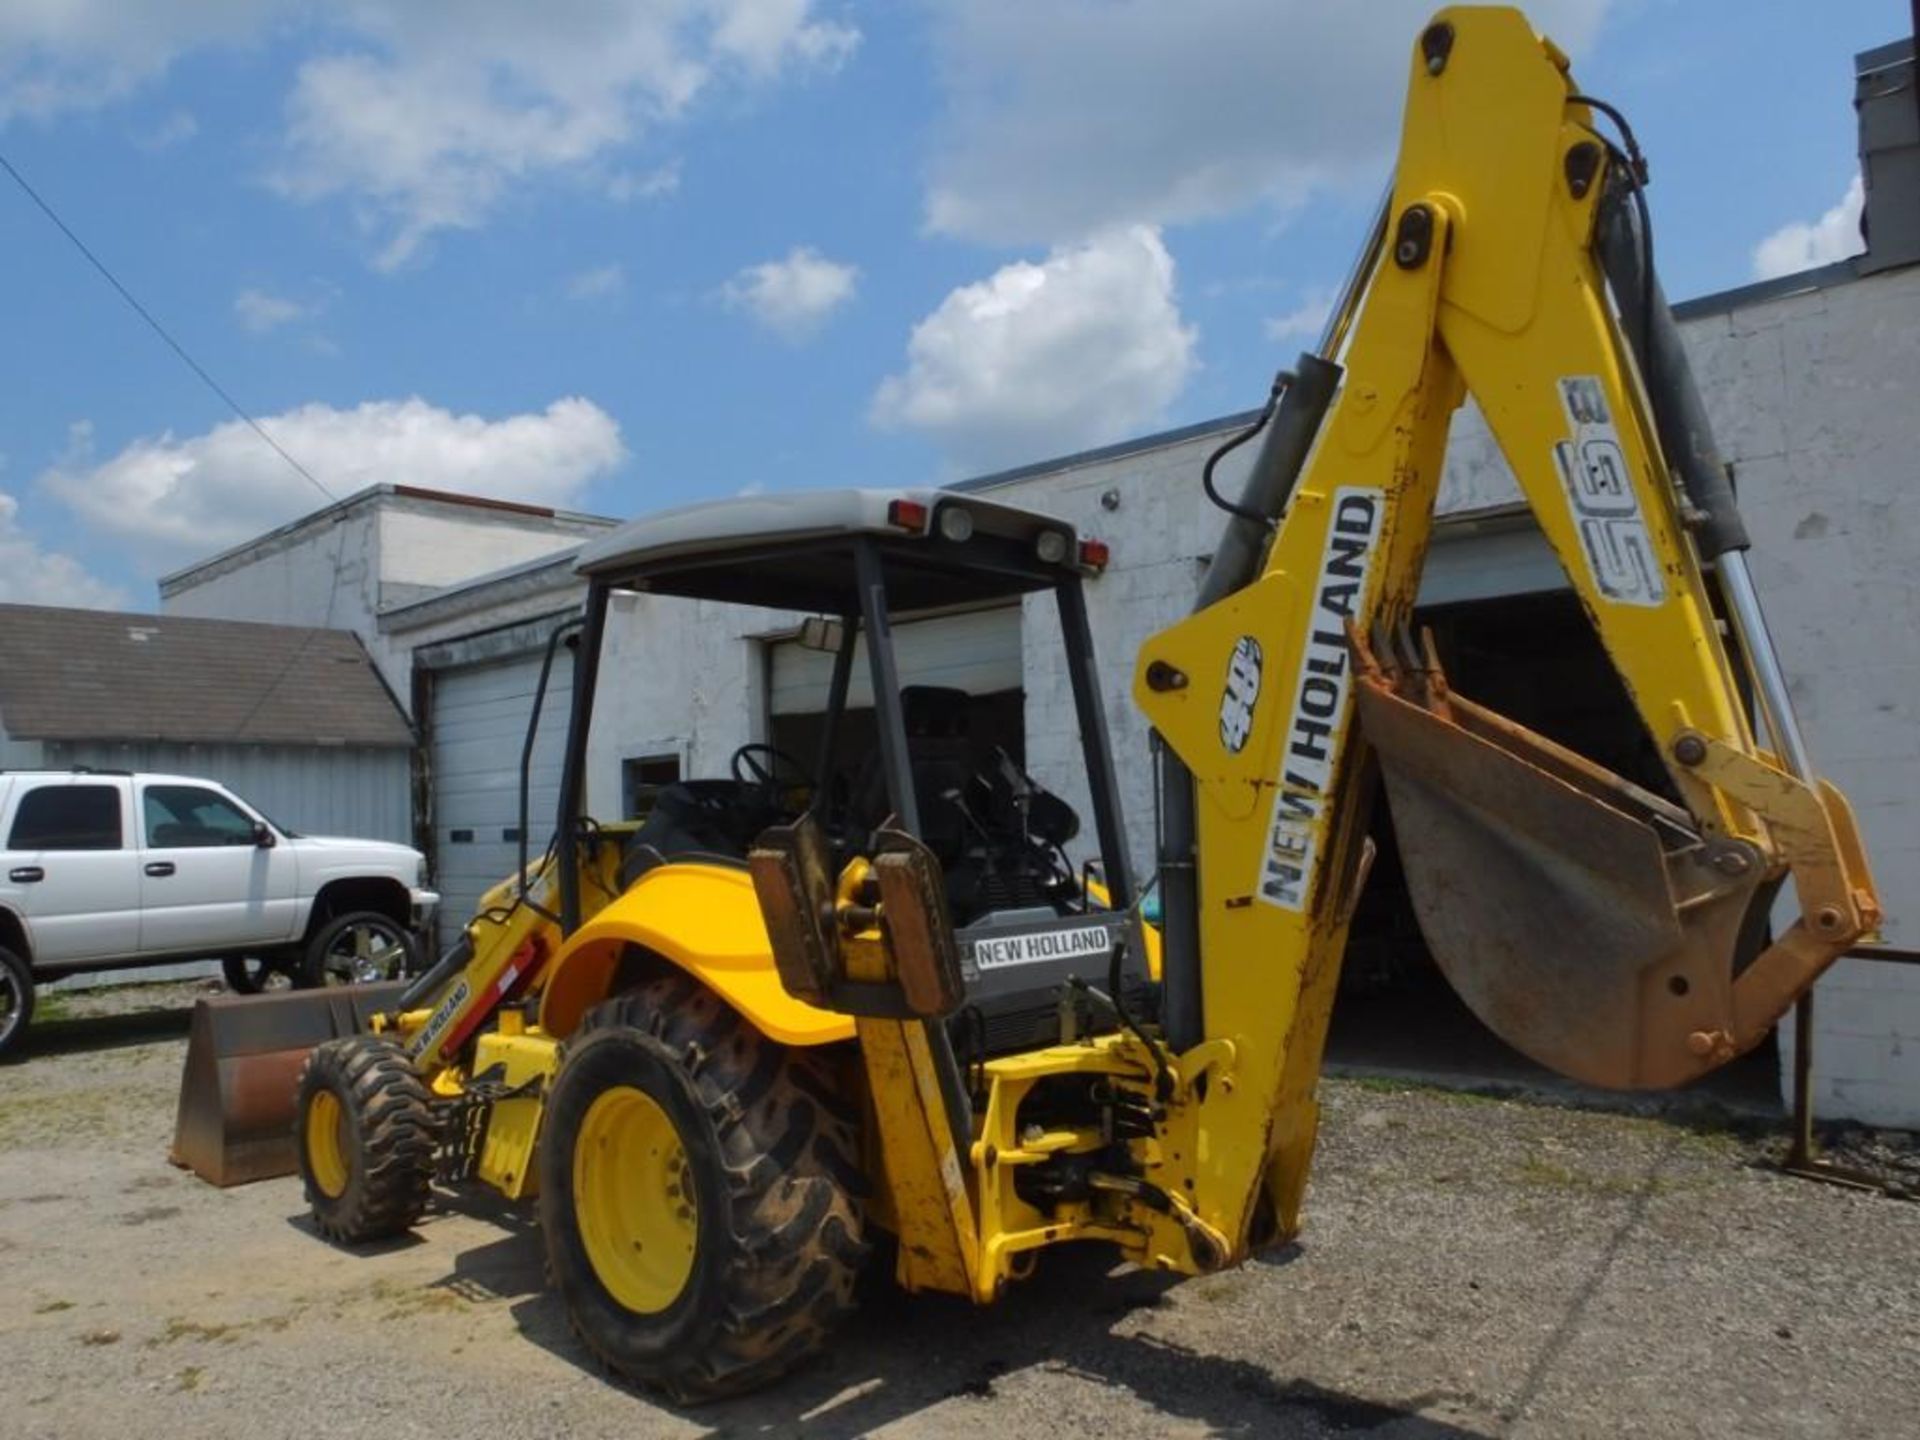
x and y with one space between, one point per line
479 724
978 652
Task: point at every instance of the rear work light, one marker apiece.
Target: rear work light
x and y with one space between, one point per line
908 515
956 524
1094 554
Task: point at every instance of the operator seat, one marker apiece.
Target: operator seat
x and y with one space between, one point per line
941 759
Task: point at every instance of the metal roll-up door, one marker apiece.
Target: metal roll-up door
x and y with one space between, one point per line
978 652
479 726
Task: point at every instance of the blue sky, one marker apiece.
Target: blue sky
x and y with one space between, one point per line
617 254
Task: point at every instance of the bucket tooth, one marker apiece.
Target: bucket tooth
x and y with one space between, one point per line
1582 918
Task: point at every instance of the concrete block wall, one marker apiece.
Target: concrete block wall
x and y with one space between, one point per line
1813 395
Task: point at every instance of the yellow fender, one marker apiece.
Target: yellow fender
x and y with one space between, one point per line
703 918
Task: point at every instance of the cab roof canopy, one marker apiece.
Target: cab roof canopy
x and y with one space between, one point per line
796 551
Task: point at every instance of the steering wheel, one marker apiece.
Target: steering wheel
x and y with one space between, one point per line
768 767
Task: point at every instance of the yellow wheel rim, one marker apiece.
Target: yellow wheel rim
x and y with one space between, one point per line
633 1200
328 1142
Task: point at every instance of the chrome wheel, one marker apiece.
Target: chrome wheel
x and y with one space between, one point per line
16 999
362 950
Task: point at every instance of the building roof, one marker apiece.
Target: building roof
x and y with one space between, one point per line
102 675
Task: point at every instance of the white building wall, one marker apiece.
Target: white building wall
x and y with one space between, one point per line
426 547
319 574
344 568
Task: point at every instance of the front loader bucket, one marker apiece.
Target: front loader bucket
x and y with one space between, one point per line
244 1055
1583 919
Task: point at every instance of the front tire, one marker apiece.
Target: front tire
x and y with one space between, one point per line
16 1001
364 1131
698 1194
358 948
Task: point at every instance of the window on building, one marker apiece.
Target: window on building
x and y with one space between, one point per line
180 817
641 778
67 817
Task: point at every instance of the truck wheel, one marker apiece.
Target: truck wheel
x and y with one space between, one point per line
357 949
698 1191
364 1130
16 1001
254 974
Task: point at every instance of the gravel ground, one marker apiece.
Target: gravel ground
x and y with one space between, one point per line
1471 1266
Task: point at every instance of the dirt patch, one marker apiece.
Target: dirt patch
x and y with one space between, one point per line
1472 1265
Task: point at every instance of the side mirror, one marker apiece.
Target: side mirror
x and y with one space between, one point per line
817 632
263 835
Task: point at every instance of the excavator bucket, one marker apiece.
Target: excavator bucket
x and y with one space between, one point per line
244 1054
1583 919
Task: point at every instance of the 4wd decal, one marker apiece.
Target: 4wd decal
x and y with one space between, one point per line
1320 699
1242 693
1606 511
1000 951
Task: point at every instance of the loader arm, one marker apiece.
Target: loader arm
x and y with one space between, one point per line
1603 930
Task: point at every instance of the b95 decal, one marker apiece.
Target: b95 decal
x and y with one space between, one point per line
1606 510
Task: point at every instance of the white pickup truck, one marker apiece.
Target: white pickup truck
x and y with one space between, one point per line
102 870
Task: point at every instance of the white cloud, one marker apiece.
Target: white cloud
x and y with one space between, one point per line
1802 246
176 129
1064 117
792 297
30 575
173 500
651 184
1086 347
436 108
261 310
764 34
62 55
423 114
1306 320
602 282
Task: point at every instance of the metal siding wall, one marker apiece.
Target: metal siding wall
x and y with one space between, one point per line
363 793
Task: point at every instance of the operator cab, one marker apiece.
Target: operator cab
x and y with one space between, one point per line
853 563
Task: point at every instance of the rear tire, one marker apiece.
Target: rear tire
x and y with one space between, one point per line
365 1134
256 974
756 1276
16 1002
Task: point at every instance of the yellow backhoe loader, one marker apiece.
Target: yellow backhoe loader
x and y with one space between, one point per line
728 1048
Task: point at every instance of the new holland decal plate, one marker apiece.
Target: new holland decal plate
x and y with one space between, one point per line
1321 696
441 1018
999 952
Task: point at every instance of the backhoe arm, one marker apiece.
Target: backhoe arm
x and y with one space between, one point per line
1614 934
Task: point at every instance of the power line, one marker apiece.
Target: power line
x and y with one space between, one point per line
339 549
161 330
